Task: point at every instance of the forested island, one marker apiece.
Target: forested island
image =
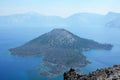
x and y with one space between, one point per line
60 50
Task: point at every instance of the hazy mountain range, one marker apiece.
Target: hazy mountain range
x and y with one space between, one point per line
80 19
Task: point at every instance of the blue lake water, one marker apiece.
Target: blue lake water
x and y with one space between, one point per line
25 68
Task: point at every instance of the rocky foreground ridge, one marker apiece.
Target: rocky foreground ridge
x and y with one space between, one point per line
110 73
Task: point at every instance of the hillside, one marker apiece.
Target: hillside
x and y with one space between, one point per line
58 39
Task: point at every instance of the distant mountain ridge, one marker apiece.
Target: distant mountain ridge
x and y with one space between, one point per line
33 20
80 19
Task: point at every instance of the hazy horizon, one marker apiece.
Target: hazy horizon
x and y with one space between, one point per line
59 8
36 13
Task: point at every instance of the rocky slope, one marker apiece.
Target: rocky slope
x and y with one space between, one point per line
58 39
111 73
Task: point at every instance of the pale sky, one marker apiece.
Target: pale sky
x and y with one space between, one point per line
59 7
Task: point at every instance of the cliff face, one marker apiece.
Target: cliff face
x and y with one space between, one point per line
111 73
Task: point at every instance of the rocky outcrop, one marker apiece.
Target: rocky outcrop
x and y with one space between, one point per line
111 73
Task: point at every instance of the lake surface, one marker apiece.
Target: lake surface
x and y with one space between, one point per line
25 68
